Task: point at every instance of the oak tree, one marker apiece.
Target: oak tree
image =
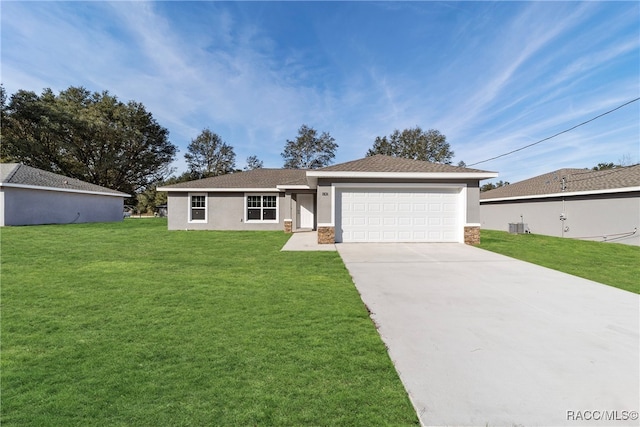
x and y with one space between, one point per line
208 155
253 163
309 150
89 136
414 143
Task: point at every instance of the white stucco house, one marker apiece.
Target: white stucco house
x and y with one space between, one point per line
30 196
375 199
575 203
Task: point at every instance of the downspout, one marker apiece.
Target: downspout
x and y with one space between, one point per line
562 218
291 212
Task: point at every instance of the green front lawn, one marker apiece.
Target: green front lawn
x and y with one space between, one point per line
129 324
613 264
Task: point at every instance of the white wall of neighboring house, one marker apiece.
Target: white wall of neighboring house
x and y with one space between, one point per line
28 206
2 207
608 217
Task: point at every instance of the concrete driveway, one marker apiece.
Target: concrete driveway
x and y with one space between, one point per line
485 340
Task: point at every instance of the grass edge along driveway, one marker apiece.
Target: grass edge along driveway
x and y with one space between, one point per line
128 324
613 264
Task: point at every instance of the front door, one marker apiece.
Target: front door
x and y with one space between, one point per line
305 210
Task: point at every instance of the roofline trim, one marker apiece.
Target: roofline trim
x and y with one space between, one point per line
411 175
63 190
293 187
567 194
220 190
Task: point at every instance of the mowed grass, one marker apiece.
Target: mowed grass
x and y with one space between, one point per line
613 264
128 324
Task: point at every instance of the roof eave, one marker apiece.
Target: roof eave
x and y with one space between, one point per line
565 194
63 190
220 190
408 175
293 187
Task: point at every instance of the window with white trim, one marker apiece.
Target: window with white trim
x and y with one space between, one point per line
197 208
262 208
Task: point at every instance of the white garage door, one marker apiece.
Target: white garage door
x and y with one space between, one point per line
398 215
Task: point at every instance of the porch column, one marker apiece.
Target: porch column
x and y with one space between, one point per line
288 214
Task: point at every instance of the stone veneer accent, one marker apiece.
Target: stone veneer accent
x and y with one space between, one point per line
472 235
288 224
326 235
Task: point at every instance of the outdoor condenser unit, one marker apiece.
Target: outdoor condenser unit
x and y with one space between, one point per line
517 227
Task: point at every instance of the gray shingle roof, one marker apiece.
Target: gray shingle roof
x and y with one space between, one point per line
19 174
257 178
382 163
270 178
574 180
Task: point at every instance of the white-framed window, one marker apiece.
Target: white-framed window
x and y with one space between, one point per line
197 207
261 208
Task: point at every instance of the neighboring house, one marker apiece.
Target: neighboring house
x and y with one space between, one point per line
160 211
375 199
577 203
30 196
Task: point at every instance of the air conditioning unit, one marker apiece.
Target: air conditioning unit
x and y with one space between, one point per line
517 227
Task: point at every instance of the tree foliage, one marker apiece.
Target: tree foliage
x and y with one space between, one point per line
208 155
150 198
3 109
491 185
414 143
605 166
309 150
253 163
89 136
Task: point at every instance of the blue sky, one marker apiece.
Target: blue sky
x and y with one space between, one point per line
490 76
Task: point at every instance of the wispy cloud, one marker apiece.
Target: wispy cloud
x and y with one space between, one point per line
513 48
491 76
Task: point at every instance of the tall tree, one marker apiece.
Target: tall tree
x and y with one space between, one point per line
3 109
253 163
147 200
309 150
604 166
626 160
491 185
414 143
208 155
90 136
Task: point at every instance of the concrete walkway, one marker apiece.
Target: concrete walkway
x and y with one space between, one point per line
306 241
480 339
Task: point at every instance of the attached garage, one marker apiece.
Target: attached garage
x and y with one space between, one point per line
399 214
389 199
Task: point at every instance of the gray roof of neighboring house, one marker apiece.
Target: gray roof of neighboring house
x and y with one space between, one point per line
257 178
382 163
575 180
16 174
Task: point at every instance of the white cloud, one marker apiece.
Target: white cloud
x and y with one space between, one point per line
504 80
